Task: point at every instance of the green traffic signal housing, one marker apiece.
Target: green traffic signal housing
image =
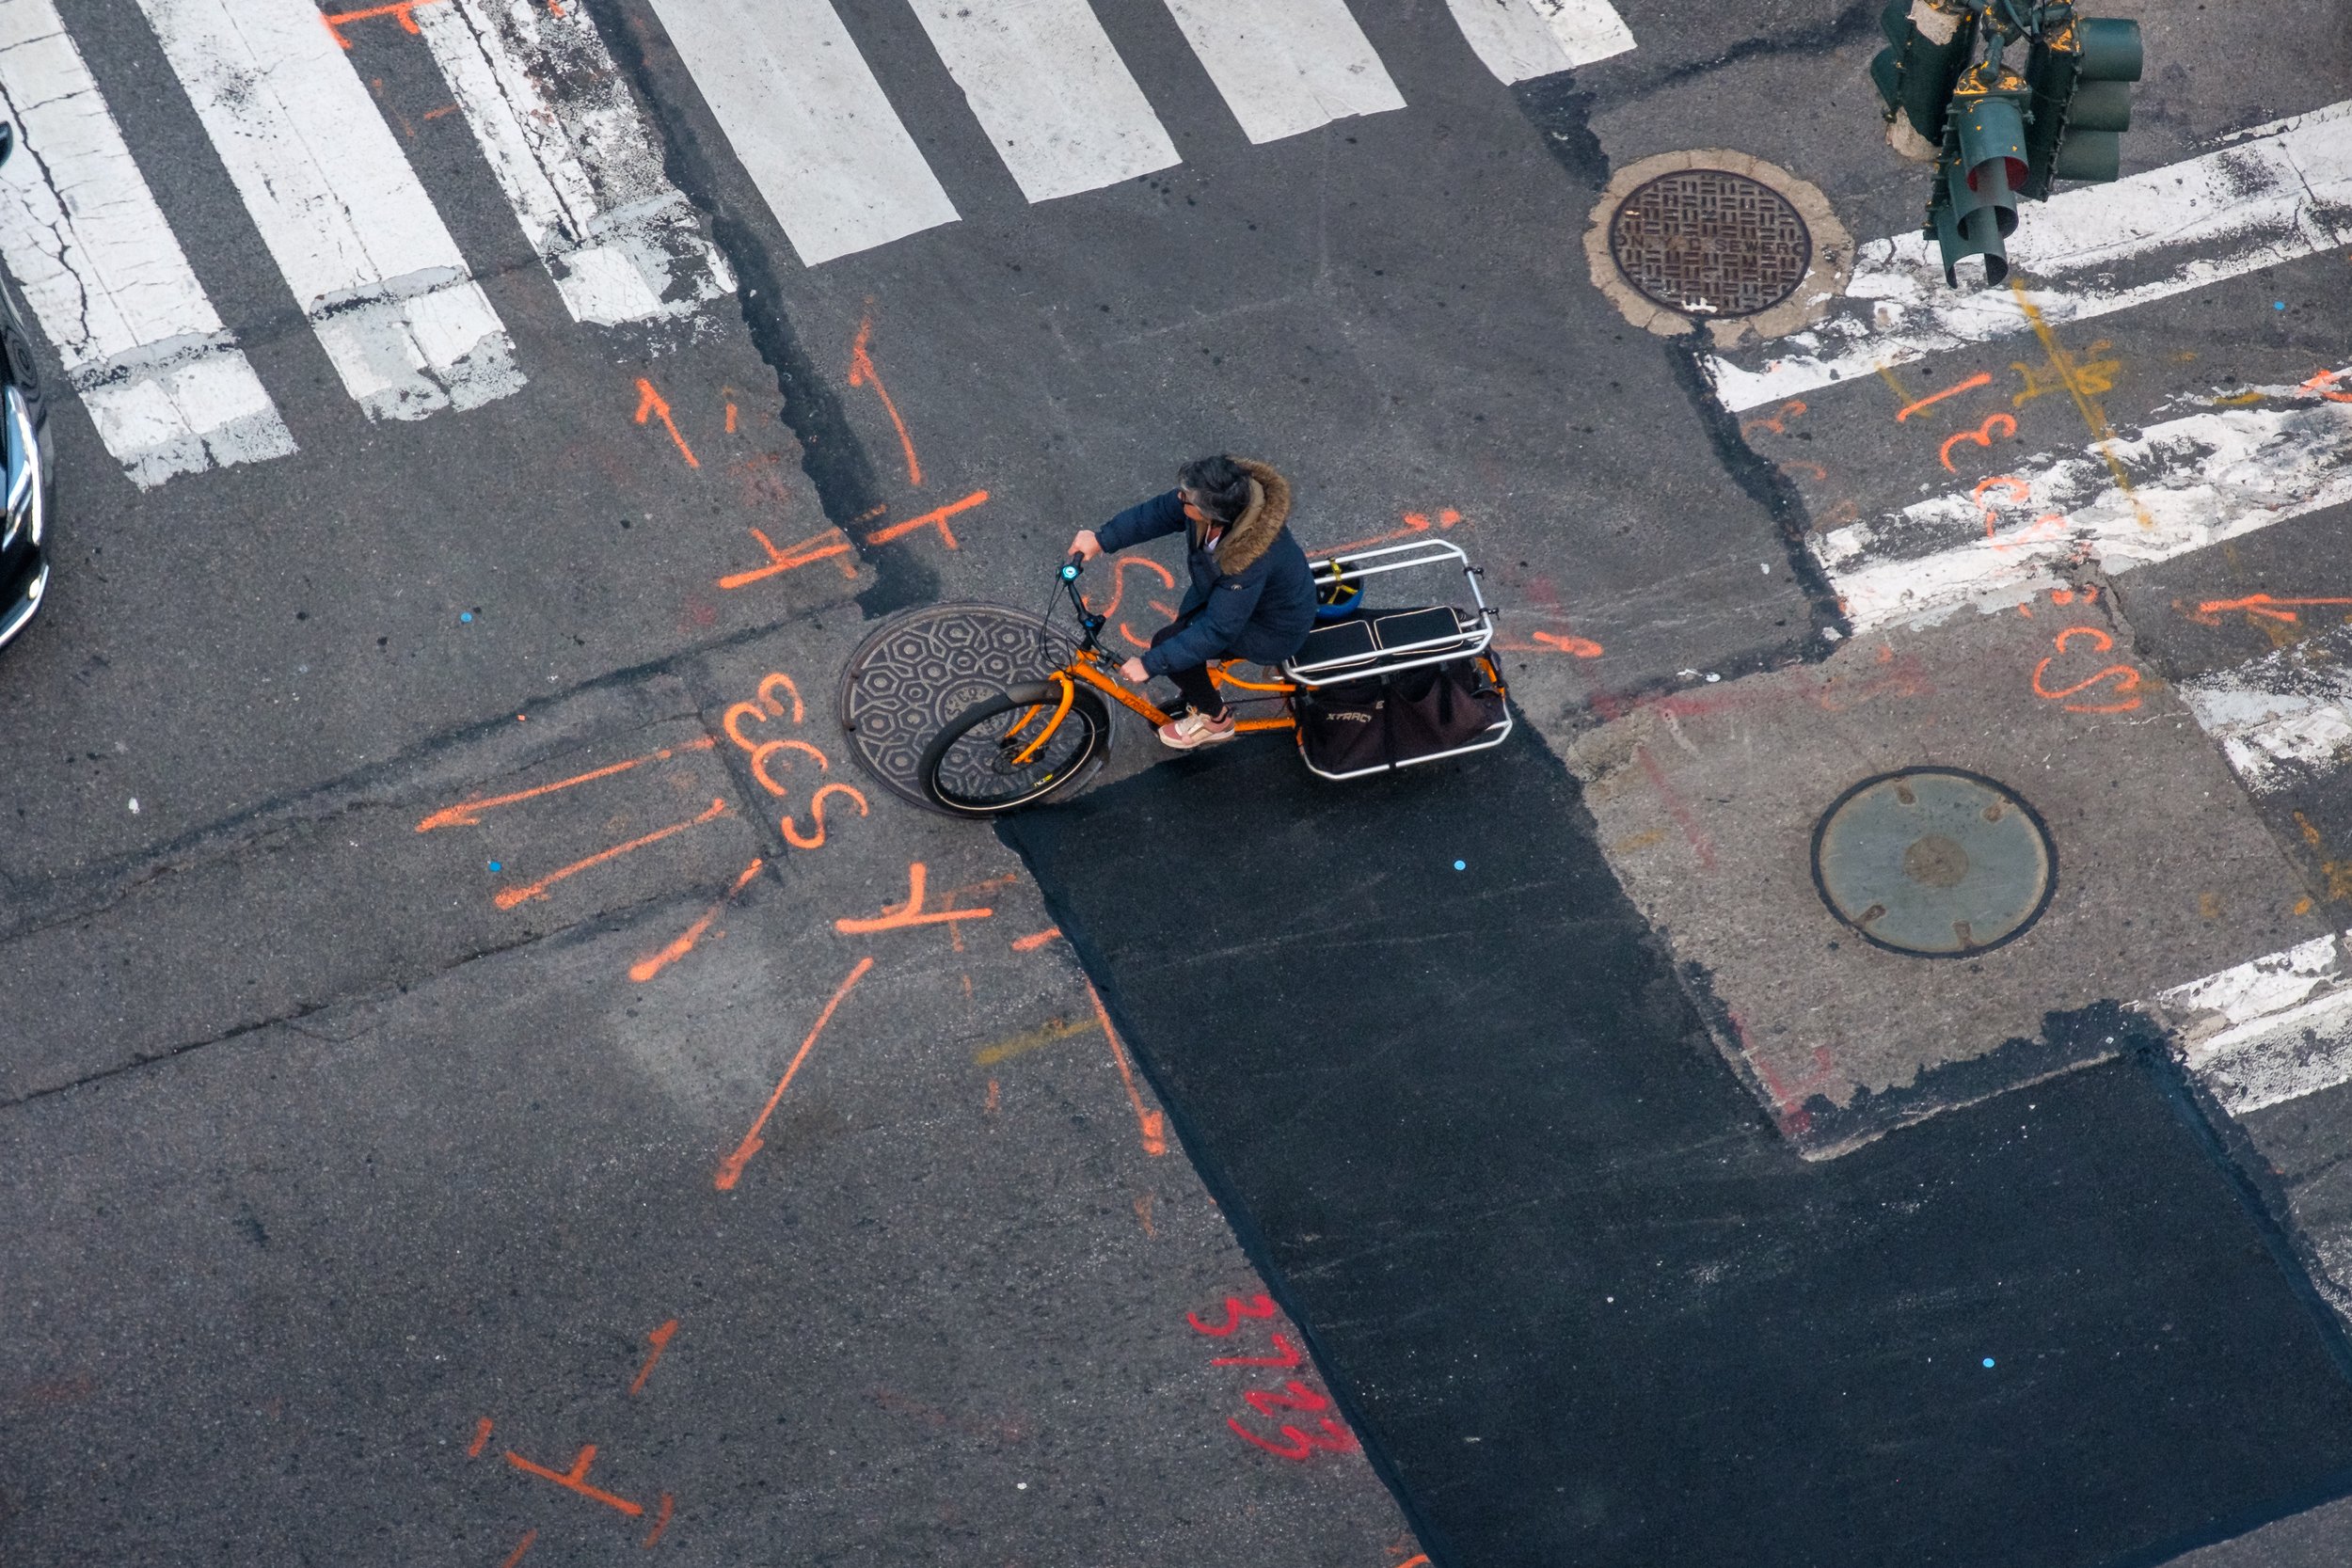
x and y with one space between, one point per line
2082 74
1996 136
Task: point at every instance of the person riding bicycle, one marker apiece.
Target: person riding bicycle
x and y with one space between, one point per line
1251 594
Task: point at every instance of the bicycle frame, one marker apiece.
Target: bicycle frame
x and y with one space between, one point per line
1090 664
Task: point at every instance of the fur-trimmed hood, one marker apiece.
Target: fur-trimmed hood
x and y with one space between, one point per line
1254 532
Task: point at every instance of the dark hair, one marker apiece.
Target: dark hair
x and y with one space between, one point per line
1220 485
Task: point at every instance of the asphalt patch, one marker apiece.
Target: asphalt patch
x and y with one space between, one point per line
1580 1300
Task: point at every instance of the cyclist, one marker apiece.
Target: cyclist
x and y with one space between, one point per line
1251 594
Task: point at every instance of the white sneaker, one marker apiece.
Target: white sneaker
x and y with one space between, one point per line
1184 734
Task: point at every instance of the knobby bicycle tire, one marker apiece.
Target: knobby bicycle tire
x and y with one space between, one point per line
965 759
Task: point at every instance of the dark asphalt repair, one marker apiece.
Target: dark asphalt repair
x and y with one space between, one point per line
1581 1302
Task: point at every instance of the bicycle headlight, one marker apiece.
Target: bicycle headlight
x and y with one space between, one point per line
23 472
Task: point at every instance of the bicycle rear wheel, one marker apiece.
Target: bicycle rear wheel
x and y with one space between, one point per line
989 760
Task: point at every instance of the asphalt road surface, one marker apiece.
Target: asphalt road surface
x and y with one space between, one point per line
493 1072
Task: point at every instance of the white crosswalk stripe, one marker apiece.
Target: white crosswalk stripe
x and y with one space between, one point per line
1286 67
2178 486
579 166
1077 125
1521 38
2270 1030
386 290
162 380
382 282
809 122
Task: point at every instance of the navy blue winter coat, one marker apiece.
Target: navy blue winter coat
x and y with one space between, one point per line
1252 596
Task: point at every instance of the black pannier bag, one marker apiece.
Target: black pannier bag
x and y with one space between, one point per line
1397 719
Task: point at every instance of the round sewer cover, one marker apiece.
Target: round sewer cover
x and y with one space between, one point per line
1708 242
1934 860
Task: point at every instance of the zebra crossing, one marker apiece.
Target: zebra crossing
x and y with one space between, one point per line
381 280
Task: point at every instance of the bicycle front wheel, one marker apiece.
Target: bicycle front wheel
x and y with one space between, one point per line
1008 751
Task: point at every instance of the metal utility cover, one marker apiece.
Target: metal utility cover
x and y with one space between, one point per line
1934 860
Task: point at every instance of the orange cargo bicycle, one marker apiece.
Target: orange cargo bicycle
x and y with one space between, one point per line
1373 690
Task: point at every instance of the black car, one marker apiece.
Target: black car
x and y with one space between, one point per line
25 440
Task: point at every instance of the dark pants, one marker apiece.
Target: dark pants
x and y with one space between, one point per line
1193 682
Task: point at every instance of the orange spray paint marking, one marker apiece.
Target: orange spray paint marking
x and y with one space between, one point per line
1415 524
651 403
1118 579
1150 1124
730 418
2264 605
520 1546
731 1168
769 684
1982 378
481 1436
659 1338
1582 647
1259 1306
1778 423
1421 1562
1982 435
467 814
832 545
401 9
661 1520
647 968
1035 939
1143 1212
995 1098
576 1479
2320 383
896 917
1334 1438
862 374
508 897
935 518
816 816
1285 1357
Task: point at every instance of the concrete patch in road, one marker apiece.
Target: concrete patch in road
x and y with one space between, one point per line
1707 800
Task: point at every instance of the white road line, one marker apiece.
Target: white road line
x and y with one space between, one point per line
2192 482
804 113
2281 720
1522 39
2269 1031
1287 66
2282 193
384 285
569 147
1051 92
164 383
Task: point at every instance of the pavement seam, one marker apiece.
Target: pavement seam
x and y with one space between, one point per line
375 784
603 922
832 456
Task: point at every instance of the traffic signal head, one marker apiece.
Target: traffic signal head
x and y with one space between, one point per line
1983 165
1929 43
2082 104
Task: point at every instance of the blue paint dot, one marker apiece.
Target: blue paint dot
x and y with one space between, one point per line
1988 1361
1461 865
496 866
2277 305
466 615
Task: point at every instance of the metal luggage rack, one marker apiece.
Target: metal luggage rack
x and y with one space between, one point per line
1372 645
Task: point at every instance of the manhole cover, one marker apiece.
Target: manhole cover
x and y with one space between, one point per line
1711 242
1934 860
916 671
